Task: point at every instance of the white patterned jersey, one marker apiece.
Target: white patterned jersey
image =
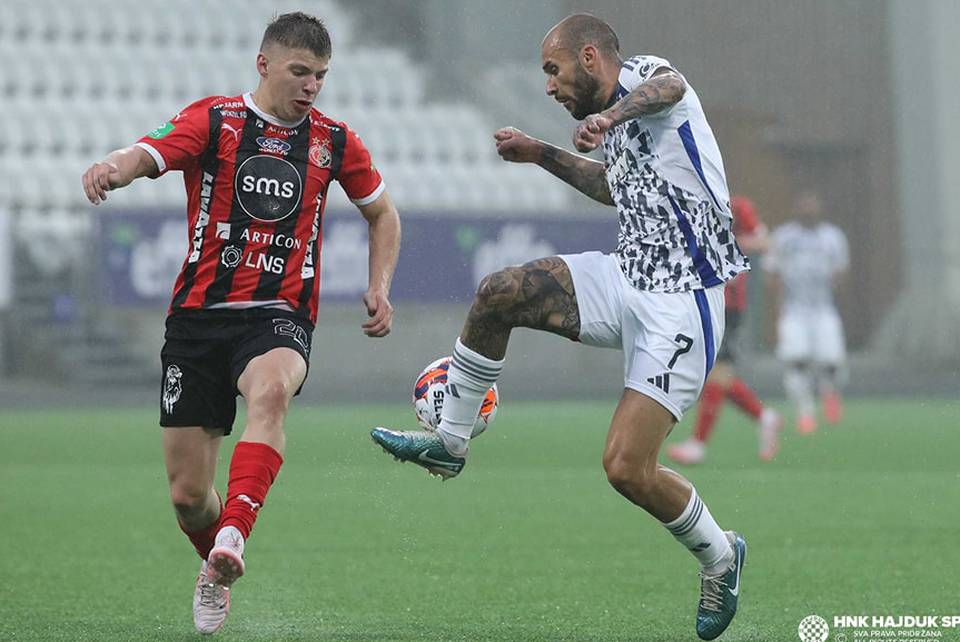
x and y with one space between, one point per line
806 259
666 178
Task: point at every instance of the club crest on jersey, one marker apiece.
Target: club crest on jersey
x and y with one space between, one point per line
273 145
320 153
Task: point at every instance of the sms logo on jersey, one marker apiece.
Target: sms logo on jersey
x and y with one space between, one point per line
268 188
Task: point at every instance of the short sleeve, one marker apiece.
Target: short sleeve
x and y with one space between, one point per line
358 176
177 143
640 69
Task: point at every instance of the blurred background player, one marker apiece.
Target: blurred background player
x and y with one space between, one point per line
657 299
257 168
723 383
807 259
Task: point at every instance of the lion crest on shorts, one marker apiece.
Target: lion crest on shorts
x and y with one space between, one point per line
171 388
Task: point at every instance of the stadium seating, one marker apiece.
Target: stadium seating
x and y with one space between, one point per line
94 76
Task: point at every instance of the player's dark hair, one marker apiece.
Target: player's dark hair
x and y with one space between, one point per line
298 30
581 29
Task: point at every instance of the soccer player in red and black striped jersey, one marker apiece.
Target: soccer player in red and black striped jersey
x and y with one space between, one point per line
258 168
723 382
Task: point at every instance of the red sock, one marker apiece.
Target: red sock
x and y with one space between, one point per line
202 539
710 403
745 398
253 468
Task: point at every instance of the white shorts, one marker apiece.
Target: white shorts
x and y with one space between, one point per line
811 334
669 340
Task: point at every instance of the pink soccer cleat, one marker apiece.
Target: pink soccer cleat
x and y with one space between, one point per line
806 424
226 558
689 452
211 603
832 407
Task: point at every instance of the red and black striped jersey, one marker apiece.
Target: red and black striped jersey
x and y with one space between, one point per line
256 190
745 222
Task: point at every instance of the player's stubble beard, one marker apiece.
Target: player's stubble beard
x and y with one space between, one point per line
586 90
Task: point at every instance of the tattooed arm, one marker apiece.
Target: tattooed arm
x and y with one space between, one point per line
581 172
664 90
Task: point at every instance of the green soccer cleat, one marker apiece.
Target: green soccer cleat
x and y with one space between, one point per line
422 447
719 594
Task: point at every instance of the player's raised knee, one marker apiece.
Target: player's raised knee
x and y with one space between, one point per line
500 289
271 396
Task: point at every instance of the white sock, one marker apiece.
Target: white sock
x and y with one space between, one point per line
799 388
470 376
768 417
699 532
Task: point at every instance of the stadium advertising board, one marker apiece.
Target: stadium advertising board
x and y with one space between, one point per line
442 258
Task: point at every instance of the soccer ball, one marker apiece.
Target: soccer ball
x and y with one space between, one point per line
428 393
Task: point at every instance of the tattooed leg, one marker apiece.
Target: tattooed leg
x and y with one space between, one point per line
537 295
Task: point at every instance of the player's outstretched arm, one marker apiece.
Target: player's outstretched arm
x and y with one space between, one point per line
117 170
583 173
384 241
664 89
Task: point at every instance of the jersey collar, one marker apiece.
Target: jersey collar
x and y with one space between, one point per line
273 120
618 92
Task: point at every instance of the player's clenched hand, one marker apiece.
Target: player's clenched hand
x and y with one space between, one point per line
380 312
98 179
515 146
589 133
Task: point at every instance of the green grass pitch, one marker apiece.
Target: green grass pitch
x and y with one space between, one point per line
529 543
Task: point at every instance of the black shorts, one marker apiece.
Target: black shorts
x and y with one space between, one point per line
206 351
731 336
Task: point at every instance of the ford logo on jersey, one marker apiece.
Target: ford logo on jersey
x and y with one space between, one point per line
273 145
268 188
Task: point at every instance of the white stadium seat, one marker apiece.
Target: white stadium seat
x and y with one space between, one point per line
106 73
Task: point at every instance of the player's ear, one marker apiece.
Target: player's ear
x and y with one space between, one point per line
262 64
588 57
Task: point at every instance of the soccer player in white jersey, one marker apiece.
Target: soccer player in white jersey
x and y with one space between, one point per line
659 298
807 259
